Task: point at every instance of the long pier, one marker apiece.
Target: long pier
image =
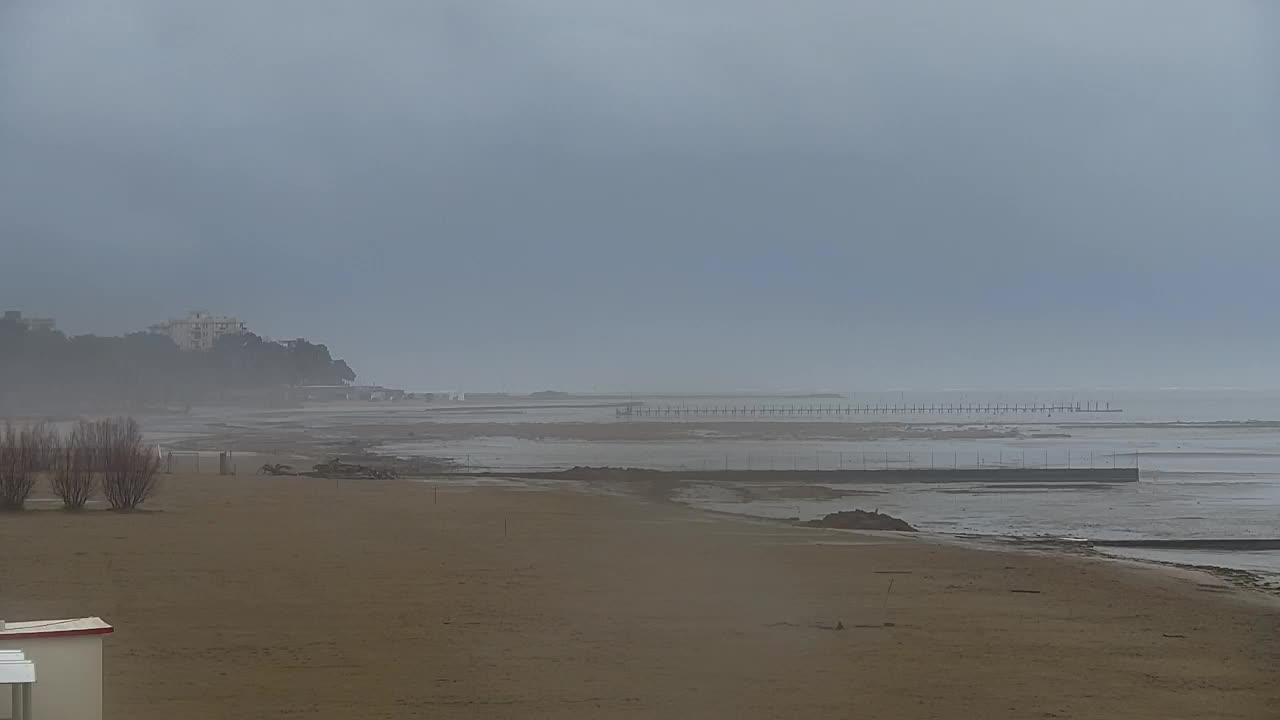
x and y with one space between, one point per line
638 410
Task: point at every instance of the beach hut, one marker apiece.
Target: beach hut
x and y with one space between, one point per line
67 654
19 674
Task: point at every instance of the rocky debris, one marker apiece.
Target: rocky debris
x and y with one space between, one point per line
276 469
335 468
370 467
412 466
861 520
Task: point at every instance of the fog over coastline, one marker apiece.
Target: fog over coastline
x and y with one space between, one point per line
658 196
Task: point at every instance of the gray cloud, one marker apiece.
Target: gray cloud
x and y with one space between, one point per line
826 194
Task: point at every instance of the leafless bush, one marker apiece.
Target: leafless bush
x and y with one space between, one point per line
15 478
74 472
42 441
128 467
24 452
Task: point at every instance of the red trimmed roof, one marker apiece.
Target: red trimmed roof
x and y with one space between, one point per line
54 628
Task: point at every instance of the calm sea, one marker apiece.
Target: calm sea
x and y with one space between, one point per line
1209 460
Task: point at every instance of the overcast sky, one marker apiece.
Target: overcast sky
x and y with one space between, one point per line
578 194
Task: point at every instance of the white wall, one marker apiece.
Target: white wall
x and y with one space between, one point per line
68 676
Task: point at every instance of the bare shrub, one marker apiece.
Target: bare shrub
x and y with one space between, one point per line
128 467
88 436
15 478
24 452
41 441
75 468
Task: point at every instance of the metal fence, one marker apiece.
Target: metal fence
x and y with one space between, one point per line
191 462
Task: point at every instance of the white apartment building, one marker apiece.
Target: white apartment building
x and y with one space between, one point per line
198 330
31 323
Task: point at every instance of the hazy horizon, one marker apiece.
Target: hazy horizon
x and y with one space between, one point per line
661 196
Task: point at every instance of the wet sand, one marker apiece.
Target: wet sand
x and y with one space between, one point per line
324 433
269 597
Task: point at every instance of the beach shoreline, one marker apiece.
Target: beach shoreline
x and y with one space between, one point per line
1264 585
264 596
986 496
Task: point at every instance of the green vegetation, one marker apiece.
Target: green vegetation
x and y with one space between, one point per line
46 370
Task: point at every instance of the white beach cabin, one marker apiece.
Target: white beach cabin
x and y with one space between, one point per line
67 656
18 674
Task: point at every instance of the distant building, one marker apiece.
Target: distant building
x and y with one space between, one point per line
41 324
198 330
35 324
372 393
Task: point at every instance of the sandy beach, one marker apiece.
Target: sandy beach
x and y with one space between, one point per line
272 597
